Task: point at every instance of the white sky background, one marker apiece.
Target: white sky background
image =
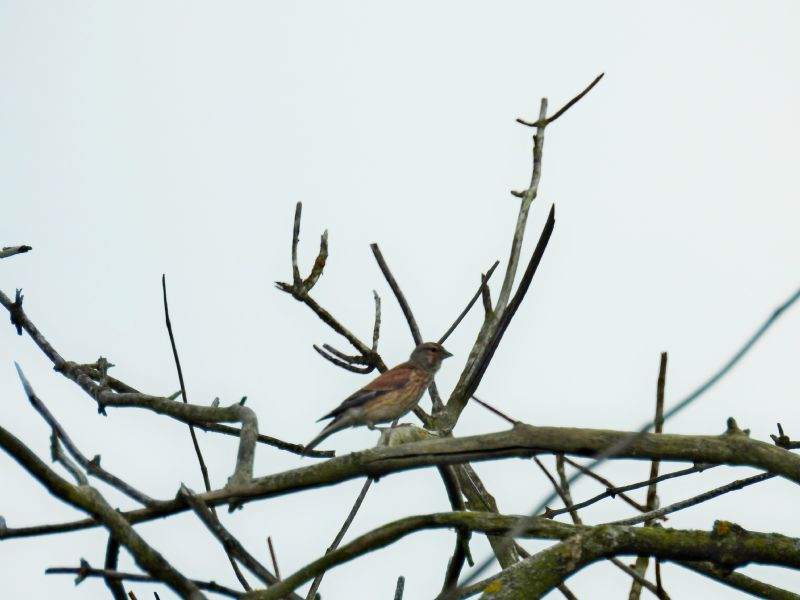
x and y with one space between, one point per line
148 138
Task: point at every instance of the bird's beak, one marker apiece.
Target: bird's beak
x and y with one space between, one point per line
446 354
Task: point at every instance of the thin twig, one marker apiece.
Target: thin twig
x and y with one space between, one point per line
60 457
491 408
474 372
528 196
471 303
436 399
623 443
274 558
566 495
613 491
564 108
398 294
784 441
197 451
652 495
731 487
298 449
233 547
91 466
85 572
376 328
639 578
312 592
298 211
738 581
462 552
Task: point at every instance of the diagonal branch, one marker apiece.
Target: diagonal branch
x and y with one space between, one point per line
195 443
436 399
89 500
232 546
484 286
91 466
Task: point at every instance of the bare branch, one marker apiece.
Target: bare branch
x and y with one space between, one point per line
564 108
471 303
731 487
232 546
398 294
436 399
492 332
112 557
299 290
534 575
398 591
298 449
520 441
197 451
652 497
739 581
91 466
274 558
639 578
89 500
491 408
783 440
341 363
528 197
376 328
7 251
111 574
312 592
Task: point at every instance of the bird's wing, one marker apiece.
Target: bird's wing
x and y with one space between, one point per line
393 379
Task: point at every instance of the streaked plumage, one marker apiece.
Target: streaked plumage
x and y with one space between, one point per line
389 396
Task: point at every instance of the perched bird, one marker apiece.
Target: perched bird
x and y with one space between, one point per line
389 396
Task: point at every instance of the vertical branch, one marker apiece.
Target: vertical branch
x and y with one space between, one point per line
203 468
298 211
398 590
522 218
112 557
652 496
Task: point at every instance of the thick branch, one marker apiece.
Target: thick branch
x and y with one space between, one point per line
7 251
520 441
727 544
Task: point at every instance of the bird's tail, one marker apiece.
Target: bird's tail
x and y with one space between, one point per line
330 428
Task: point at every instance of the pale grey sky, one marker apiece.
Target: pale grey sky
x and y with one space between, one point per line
175 137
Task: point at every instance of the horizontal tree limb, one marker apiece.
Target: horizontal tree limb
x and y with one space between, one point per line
520 441
727 544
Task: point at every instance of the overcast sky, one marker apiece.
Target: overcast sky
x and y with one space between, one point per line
175 137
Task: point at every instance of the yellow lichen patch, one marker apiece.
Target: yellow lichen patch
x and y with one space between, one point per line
722 527
493 587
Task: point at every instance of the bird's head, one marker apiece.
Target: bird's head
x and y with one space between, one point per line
429 356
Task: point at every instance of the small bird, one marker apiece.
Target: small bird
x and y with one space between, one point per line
389 396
